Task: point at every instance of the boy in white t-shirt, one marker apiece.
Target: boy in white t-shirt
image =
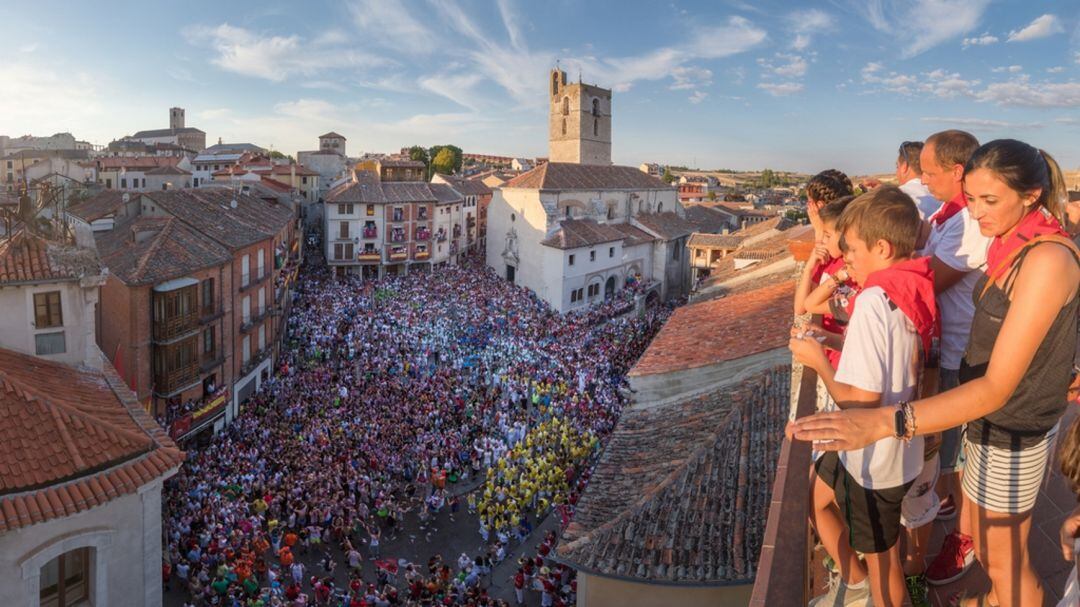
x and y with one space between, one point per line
857 494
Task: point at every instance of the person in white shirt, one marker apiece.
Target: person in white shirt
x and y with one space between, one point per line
909 174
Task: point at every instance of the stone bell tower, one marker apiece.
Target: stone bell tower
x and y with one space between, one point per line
579 125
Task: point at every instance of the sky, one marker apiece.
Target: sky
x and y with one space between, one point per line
711 84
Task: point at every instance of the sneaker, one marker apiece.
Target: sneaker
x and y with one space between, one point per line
947 511
956 557
917 590
841 595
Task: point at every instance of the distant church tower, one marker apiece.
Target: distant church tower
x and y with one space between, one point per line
579 128
176 118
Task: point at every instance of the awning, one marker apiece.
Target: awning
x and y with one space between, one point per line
174 284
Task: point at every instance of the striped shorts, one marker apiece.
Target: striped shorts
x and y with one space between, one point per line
1006 481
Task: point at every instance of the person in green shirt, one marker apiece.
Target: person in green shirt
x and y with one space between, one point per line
220 586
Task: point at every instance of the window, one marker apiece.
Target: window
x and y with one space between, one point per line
573 296
49 343
565 107
245 309
245 270
421 213
245 349
564 126
262 337
47 312
123 183
262 263
596 127
347 209
567 212
207 290
594 290
399 214
144 182
303 180
65 580
370 210
611 252
571 260
595 107
262 302
339 251
610 212
659 207
343 230
208 342
348 251
592 255
675 250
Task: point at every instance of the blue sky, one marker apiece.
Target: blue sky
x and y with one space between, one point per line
714 84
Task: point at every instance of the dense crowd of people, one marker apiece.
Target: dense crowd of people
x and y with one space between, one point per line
395 401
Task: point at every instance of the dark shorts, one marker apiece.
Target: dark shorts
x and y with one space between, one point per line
872 515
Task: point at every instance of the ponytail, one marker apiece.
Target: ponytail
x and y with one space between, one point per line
1056 197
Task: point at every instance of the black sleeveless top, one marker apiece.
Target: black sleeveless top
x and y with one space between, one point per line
1040 399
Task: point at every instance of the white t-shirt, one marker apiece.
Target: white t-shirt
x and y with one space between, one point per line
959 244
881 351
926 203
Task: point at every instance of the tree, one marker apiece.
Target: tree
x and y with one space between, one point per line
454 150
668 177
417 152
443 162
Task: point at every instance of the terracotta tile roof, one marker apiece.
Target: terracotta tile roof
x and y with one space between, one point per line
209 211
368 189
152 250
706 333
467 187
745 237
286 169
166 132
707 219
572 176
104 203
400 163
331 134
576 233
27 257
714 241
168 170
276 185
667 225
136 163
633 235
72 439
681 493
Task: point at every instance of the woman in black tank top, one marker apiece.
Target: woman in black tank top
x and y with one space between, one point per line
1017 364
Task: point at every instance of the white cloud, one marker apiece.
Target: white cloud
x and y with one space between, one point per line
690 77
805 24
937 83
392 24
790 66
1023 92
1067 120
983 124
1041 27
984 40
26 49
922 24
455 87
1012 69
782 89
274 58
1057 69
698 97
41 98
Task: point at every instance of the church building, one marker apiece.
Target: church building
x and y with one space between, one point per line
577 229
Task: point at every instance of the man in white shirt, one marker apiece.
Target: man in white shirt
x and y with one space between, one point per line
909 174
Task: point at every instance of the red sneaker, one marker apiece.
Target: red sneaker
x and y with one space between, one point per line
956 557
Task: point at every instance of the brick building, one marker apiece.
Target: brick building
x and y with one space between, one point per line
477 196
195 304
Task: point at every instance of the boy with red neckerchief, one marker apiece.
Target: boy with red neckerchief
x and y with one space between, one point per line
857 494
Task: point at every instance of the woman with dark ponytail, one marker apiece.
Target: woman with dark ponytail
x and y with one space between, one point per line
1015 373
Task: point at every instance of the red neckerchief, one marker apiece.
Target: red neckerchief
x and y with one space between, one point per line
834 266
1038 222
910 285
947 210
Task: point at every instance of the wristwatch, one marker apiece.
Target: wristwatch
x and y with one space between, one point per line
900 423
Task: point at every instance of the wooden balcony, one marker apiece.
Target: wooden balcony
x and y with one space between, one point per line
175 327
421 255
365 256
170 382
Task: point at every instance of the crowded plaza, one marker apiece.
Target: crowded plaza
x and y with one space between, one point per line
421 442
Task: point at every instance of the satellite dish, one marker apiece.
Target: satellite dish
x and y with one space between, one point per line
232 203
126 197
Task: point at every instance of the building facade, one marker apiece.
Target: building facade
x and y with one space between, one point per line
374 228
196 301
189 138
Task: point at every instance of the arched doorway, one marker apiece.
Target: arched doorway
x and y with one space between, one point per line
609 288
